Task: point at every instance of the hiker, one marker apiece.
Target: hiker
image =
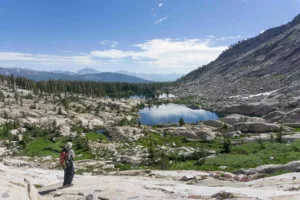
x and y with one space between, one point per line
67 156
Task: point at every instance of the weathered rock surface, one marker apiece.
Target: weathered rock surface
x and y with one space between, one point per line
254 109
124 133
256 127
274 116
234 118
272 168
140 185
292 116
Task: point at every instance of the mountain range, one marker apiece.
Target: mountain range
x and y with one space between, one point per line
155 77
61 75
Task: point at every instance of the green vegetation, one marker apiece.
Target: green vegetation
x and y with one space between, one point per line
89 88
226 146
181 121
6 128
38 186
123 167
248 155
41 147
297 129
94 136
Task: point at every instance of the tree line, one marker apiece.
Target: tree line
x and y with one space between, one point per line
89 88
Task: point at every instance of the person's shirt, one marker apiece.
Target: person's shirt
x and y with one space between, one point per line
71 155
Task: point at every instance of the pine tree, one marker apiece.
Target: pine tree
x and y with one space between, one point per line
181 121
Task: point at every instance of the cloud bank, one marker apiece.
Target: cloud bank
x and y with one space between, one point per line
161 54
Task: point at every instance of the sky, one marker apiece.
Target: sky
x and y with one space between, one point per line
149 36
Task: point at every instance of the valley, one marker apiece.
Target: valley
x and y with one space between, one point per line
227 130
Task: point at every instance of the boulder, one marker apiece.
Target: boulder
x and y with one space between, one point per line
292 125
292 116
131 160
181 131
256 119
16 163
234 118
205 132
188 178
124 133
271 168
233 134
256 127
214 123
2 121
274 116
255 109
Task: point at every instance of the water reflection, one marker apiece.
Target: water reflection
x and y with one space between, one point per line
171 113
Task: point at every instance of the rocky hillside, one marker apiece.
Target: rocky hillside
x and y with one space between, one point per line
264 63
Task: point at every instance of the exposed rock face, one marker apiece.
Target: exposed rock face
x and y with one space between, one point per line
260 64
214 123
205 132
274 116
16 187
142 184
272 168
181 131
124 133
235 118
255 127
254 109
202 132
292 116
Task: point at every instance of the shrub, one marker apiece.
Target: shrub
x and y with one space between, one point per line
226 146
181 121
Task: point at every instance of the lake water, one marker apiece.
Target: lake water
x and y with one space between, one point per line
171 113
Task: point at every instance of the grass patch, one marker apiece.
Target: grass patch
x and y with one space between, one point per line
297 129
37 186
169 140
247 156
123 167
42 147
94 136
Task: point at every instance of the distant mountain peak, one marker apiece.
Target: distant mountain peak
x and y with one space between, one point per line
87 70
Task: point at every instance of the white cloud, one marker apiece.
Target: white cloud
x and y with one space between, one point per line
228 38
167 53
104 42
114 44
160 5
262 31
160 20
152 55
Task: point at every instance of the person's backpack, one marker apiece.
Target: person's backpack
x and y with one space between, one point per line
63 157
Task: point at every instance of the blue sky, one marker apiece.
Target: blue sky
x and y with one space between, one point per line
160 36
